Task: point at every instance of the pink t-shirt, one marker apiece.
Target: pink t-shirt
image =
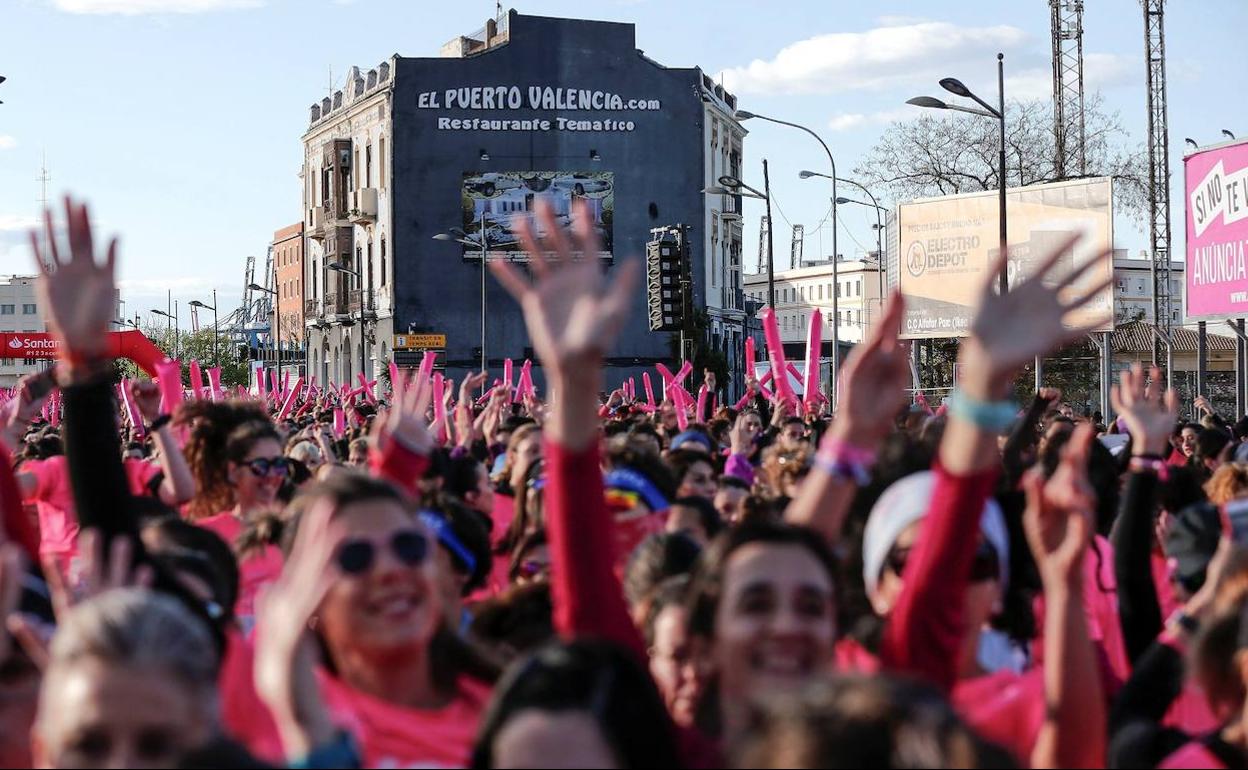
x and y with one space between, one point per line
54 500
396 736
254 572
1193 754
1005 708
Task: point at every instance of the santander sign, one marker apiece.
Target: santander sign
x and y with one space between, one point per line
29 345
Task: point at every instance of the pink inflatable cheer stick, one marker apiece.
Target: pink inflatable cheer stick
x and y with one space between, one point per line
289 403
340 422
169 377
132 409
814 344
703 392
214 382
197 380
775 352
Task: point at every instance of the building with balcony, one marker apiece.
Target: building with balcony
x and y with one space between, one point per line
527 107
289 274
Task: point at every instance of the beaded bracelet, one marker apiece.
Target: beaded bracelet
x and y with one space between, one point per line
1139 464
847 470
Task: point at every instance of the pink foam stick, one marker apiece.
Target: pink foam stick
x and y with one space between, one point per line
749 356
741 403
775 352
169 377
645 381
814 345
686 369
289 402
54 413
273 388
703 392
340 422
766 378
682 408
285 384
667 376
767 394
439 392
507 371
242 392
214 382
197 380
132 409
261 386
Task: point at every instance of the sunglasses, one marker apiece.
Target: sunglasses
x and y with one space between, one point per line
986 565
269 466
531 568
357 556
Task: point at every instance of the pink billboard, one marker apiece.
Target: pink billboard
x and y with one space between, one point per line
1216 183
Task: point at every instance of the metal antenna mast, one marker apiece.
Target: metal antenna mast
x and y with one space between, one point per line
43 180
1070 158
1158 165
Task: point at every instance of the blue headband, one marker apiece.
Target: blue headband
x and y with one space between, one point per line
446 536
630 480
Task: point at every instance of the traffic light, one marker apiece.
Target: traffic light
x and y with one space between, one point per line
667 266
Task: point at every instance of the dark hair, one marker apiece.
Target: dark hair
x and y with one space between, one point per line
670 593
469 530
596 677
460 475
858 721
682 460
1210 442
1182 489
535 539
173 535
221 432
526 519
647 463
708 515
656 559
733 482
450 656
515 622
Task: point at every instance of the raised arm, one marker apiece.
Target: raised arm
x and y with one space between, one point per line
1059 526
926 628
573 317
875 377
178 485
1149 417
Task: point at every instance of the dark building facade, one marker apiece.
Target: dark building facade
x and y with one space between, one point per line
543 107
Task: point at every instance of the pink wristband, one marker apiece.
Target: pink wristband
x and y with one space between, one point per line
836 450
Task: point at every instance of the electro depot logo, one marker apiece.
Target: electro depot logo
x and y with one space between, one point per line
916 259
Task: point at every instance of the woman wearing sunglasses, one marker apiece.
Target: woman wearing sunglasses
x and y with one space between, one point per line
236 456
362 570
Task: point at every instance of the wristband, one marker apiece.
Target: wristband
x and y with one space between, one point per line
835 449
1143 464
844 469
1184 621
158 423
993 416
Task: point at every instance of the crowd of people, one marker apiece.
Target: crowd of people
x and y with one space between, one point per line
492 579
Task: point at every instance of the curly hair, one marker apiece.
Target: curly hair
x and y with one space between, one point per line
1230 482
220 432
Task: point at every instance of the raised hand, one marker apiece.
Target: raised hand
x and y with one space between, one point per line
1010 330
146 396
1052 395
77 293
572 313
741 436
407 420
874 381
1058 517
1149 415
285 654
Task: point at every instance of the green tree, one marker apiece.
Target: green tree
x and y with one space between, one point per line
193 346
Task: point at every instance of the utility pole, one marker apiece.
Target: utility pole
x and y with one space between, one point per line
1158 165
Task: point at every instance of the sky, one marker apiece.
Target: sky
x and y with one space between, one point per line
180 120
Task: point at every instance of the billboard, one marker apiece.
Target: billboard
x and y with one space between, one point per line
947 244
491 201
1216 186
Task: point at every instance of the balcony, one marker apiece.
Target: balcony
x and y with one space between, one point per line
335 304
361 304
317 230
311 307
363 207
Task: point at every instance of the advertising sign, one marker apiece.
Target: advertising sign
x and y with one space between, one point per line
1216 183
419 341
948 244
492 201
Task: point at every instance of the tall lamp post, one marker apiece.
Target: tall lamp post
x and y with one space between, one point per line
956 87
174 320
277 323
457 235
216 356
836 321
337 268
879 224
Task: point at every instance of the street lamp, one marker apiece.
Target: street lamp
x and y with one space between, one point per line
730 185
957 88
836 256
216 355
457 235
1228 134
171 319
879 225
277 324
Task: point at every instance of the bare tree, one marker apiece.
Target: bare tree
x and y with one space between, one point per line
947 153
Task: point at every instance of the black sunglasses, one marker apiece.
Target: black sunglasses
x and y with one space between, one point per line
269 466
985 567
356 557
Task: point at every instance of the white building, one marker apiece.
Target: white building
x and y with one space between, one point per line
722 228
19 312
1133 289
348 310
799 292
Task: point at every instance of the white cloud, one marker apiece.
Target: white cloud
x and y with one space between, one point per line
852 120
1100 70
880 57
7 142
897 20
140 7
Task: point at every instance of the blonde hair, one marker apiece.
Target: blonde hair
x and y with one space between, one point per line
1230 482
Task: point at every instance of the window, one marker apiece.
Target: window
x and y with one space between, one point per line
821 291
355 179
368 165
6 362
381 163
383 257
28 310
6 309
369 271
